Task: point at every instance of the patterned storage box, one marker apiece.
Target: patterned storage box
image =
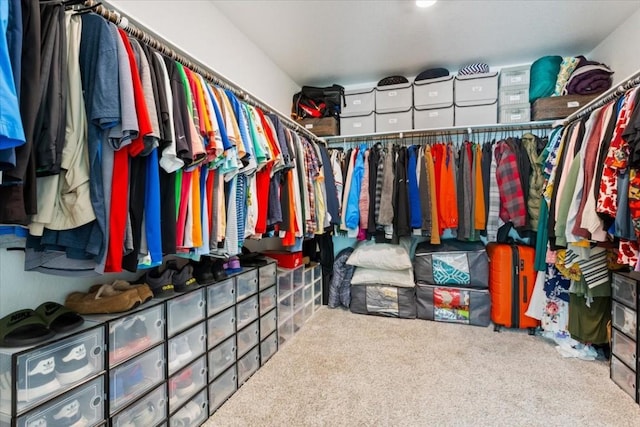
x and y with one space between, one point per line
452 263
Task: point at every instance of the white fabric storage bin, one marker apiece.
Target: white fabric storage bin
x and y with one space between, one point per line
515 76
515 113
360 102
394 98
391 122
357 125
516 95
433 93
435 118
476 89
476 115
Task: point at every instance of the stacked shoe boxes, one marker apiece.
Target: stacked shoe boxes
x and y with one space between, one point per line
59 382
624 332
476 99
187 362
358 116
268 312
136 387
433 103
394 107
513 99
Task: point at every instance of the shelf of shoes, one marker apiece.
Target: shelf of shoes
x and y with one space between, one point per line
31 376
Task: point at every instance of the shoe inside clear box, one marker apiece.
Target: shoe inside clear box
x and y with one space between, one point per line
49 368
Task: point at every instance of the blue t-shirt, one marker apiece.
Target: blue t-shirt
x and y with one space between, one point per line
11 130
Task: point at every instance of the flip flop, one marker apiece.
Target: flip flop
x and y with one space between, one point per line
23 328
58 317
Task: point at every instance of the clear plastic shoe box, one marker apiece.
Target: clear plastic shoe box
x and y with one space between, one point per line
185 310
187 346
221 357
268 323
221 326
48 369
83 405
247 311
267 275
268 348
624 289
246 284
248 365
185 383
136 377
220 295
148 411
248 338
192 414
222 388
268 299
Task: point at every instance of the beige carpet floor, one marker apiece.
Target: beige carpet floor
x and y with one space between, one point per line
343 369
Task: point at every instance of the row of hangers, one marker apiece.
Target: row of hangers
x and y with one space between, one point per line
455 138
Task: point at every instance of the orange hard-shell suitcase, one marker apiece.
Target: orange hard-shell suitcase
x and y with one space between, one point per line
511 281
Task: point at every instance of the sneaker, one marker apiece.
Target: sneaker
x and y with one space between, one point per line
146 416
179 353
72 364
38 381
182 279
129 337
133 379
184 384
233 265
69 416
136 329
161 283
203 271
218 270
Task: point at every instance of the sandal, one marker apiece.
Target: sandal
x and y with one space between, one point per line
144 291
23 328
58 318
105 300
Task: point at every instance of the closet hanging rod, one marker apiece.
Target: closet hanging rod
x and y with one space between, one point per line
454 130
611 94
150 38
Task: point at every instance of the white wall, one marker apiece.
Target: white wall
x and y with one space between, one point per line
201 30
620 49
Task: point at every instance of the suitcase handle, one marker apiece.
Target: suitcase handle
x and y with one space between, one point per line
525 297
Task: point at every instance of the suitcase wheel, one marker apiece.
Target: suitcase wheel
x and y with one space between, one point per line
532 331
496 328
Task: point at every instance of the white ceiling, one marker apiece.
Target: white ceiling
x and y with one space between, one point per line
349 42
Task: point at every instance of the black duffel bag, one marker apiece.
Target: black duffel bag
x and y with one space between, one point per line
316 102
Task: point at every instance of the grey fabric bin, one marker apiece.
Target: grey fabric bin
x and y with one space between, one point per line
453 305
452 263
383 300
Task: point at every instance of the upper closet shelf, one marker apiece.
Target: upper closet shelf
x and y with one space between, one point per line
454 130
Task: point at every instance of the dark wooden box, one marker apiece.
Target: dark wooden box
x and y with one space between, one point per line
324 126
558 107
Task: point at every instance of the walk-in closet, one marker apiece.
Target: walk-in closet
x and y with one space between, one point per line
319 213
